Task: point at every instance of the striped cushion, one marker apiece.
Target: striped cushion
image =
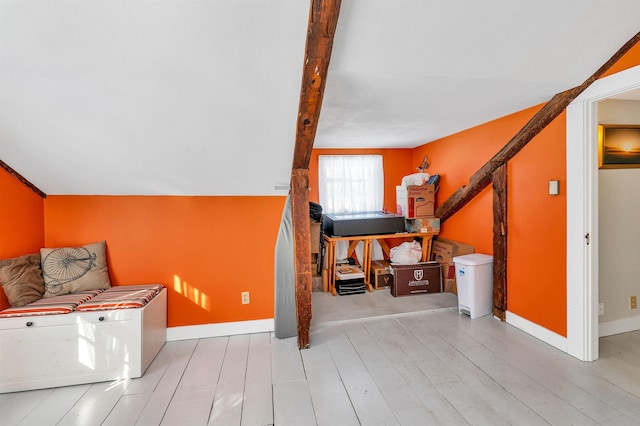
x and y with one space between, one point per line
50 305
122 297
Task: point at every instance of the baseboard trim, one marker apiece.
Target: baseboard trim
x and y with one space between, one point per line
220 329
618 326
537 331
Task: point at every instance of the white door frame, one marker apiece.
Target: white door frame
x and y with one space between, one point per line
582 211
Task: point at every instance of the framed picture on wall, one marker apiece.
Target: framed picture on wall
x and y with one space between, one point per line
618 146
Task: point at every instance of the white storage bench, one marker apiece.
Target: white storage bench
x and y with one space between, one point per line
92 341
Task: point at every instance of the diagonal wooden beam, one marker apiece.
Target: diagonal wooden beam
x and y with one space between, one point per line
323 20
22 179
552 109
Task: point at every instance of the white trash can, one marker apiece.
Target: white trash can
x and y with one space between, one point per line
474 279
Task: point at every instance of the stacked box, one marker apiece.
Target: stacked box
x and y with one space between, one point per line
349 279
419 278
443 251
415 200
381 274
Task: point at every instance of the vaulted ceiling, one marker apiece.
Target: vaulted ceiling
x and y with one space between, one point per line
200 97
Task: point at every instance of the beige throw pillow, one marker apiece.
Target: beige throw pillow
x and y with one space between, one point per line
72 269
21 279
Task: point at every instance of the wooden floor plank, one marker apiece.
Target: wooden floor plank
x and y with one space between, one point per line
190 405
292 404
148 382
159 400
128 409
534 395
553 376
18 405
329 308
434 367
374 355
229 396
193 399
53 407
550 376
258 393
368 402
475 395
331 402
286 362
96 404
206 363
439 408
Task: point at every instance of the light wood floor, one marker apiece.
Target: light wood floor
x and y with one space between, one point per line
428 368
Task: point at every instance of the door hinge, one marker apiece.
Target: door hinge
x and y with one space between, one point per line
587 237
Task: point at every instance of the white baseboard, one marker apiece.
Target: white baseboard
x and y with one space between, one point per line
537 331
619 326
220 329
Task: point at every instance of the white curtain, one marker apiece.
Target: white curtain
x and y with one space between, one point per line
350 183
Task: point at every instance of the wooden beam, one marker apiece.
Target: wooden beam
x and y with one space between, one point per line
323 20
499 183
302 250
552 109
22 179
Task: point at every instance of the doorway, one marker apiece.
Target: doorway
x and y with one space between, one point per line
582 211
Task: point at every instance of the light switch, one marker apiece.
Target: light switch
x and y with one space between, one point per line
554 187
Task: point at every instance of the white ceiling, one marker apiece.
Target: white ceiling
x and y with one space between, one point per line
200 97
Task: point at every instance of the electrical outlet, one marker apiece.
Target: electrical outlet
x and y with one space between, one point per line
245 298
601 309
633 303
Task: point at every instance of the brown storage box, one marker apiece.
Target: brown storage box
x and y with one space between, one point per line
418 278
381 274
415 201
443 251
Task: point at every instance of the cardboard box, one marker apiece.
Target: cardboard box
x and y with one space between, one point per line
381 274
443 251
419 278
415 201
423 224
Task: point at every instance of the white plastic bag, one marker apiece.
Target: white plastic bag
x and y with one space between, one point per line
406 253
415 179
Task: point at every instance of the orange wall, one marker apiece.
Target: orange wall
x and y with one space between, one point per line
536 220
21 221
201 248
533 247
206 250
397 163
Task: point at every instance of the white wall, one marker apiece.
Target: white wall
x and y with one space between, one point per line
619 230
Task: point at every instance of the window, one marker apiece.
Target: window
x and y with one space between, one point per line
350 183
